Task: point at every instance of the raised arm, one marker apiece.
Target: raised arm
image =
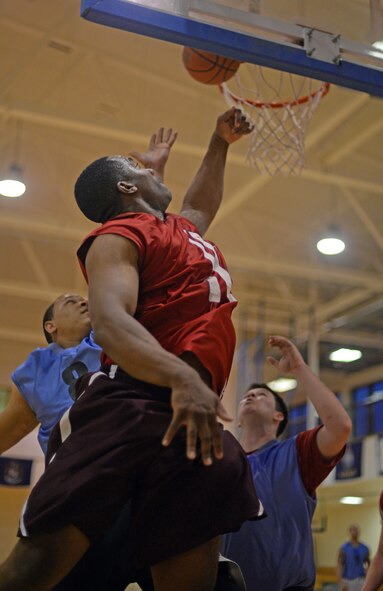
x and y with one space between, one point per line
112 261
374 576
16 421
204 195
336 422
157 154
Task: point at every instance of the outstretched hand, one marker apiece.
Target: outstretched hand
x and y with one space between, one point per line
196 407
158 150
232 125
291 360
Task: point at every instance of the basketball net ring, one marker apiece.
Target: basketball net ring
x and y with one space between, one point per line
277 143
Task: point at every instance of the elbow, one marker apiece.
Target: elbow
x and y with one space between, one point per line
345 426
103 332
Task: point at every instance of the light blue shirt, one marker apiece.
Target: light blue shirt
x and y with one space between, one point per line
47 378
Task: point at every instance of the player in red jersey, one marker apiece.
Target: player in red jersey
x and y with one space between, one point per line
159 296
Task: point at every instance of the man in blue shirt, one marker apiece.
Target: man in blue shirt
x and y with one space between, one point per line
276 553
353 560
43 384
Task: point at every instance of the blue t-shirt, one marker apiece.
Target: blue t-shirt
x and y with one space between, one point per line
276 552
47 378
355 558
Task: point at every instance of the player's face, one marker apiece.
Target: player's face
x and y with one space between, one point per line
71 315
153 191
354 532
259 402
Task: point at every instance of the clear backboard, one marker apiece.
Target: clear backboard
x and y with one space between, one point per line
337 41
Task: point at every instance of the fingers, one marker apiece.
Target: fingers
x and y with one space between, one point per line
205 436
163 136
199 428
175 424
277 341
238 121
171 137
272 361
242 124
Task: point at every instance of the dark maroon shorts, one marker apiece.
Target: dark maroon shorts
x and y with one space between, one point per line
108 450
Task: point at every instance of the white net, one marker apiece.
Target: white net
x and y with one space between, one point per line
280 106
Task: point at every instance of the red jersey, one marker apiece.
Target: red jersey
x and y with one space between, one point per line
184 298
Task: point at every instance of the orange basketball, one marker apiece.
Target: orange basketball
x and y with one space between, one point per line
208 68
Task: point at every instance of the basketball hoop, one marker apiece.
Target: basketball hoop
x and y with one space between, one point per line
277 144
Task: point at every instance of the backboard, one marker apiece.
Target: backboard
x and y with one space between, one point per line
338 41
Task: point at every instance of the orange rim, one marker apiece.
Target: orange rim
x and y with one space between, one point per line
322 90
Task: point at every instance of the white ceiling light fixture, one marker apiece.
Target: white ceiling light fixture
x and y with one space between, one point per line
345 355
351 500
13 185
282 384
331 243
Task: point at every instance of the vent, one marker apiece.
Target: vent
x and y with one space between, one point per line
107 109
58 46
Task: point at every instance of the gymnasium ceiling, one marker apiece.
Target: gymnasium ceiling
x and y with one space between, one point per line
72 91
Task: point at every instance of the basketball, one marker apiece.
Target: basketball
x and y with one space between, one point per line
208 68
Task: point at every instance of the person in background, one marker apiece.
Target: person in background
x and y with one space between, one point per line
277 553
353 561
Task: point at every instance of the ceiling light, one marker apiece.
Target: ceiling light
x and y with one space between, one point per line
378 45
345 355
331 246
12 186
331 242
351 500
282 384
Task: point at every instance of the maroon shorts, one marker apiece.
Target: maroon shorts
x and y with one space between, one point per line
107 449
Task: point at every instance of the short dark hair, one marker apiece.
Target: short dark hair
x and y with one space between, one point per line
95 189
48 315
280 405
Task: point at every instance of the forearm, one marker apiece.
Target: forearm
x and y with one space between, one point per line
138 353
336 422
205 192
12 430
374 576
328 407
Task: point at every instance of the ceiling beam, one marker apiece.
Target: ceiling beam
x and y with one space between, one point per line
33 292
364 218
21 336
341 181
354 338
34 262
58 121
335 275
360 137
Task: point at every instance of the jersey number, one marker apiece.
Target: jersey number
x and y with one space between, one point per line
71 374
217 289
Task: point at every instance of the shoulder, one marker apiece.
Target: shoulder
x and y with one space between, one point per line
136 227
183 221
34 358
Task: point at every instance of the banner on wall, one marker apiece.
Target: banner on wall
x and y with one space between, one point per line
15 472
350 465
